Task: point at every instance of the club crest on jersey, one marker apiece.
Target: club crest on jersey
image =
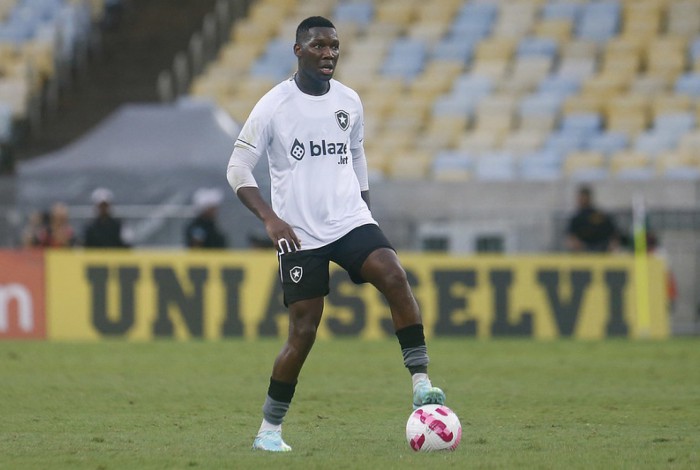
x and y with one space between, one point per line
298 151
296 273
343 119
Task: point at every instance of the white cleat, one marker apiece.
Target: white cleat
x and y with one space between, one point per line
270 441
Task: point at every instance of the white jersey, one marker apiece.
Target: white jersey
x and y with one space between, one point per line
307 140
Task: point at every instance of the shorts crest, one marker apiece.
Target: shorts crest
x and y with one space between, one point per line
296 273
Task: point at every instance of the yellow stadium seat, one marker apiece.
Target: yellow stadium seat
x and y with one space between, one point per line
605 86
443 132
689 143
579 49
495 113
683 18
649 85
576 162
515 19
430 32
526 73
480 141
627 160
670 103
395 12
494 69
537 122
554 28
584 103
522 142
676 160
493 48
409 165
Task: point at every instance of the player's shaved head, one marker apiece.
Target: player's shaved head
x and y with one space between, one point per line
311 22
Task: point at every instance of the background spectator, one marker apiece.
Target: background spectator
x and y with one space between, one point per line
105 231
590 229
61 233
36 233
203 231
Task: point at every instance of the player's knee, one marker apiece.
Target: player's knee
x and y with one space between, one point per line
394 278
304 331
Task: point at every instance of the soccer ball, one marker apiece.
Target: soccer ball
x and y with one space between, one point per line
433 427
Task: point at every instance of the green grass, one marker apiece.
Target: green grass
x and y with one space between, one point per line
523 404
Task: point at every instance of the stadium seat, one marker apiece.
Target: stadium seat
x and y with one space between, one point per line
585 166
677 165
607 143
544 165
521 142
586 124
559 30
361 13
564 143
631 165
655 142
688 84
452 166
536 46
498 166
683 18
598 21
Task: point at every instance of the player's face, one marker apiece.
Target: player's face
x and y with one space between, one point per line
318 55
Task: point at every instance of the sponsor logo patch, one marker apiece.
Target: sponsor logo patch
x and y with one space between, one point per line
298 151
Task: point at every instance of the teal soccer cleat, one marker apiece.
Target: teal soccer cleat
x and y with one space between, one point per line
270 441
425 394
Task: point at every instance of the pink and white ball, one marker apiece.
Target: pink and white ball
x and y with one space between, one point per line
433 427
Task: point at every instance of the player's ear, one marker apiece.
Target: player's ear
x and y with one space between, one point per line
297 49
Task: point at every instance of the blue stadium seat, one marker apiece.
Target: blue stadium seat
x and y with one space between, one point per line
455 105
607 143
475 19
538 104
654 143
564 142
536 46
454 48
496 166
688 84
544 165
470 84
405 58
599 21
448 162
694 49
561 10
675 124
587 124
565 86
354 12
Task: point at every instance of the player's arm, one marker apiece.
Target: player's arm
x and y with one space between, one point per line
359 164
240 176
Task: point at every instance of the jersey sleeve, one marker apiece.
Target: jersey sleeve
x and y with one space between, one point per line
256 133
357 134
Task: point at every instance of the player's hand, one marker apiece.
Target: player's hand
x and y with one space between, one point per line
282 235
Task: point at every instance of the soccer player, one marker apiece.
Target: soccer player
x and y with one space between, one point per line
310 127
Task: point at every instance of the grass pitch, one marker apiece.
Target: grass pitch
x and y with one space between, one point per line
523 404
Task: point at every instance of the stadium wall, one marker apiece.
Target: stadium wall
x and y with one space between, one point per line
84 295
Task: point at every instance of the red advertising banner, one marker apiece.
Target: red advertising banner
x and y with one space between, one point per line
22 302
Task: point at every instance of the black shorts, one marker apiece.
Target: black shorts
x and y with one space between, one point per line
305 274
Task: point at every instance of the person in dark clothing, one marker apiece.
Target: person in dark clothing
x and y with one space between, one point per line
104 231
203 231
590 229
